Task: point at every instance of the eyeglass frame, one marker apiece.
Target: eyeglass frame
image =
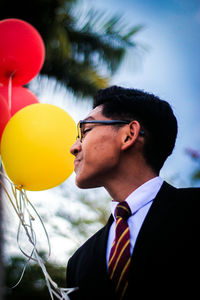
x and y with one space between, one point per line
103 122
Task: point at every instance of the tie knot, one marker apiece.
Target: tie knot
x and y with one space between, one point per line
122 210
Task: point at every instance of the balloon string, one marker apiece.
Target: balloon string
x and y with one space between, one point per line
21 209
43 226
10 91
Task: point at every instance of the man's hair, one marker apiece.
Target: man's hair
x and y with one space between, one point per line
154 115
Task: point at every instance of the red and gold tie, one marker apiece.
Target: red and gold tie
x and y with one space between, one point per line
119 260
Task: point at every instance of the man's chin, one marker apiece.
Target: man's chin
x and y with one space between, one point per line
86 184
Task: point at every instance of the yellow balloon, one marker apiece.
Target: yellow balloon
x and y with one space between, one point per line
35 147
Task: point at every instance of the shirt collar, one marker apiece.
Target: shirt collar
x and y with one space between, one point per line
142 195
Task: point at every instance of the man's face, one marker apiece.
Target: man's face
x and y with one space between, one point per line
98 154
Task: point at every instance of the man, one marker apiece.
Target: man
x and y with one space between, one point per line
153 249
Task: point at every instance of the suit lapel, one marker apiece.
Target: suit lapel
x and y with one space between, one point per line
100 248
157 214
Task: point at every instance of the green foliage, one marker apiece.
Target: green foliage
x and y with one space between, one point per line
32 285
83 49
196 175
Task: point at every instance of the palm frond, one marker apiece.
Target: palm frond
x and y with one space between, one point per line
83 47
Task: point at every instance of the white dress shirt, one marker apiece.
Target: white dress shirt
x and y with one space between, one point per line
139 202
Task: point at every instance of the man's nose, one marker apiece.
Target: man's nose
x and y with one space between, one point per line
75 148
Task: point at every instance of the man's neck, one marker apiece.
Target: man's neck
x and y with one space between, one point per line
120 187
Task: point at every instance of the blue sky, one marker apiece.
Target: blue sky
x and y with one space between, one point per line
170 68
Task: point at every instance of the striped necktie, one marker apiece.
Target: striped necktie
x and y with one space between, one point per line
120 257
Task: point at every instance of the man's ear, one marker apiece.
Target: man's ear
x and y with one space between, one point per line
130 134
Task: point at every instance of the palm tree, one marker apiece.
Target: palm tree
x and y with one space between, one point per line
83 49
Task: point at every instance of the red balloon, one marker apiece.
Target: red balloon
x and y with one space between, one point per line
20 97
4 115
22 51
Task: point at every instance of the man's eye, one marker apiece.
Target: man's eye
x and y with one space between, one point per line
85 131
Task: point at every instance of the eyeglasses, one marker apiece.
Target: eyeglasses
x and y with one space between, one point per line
81 131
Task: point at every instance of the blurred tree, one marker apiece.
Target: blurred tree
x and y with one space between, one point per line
33 284
85 213
91 214
82 49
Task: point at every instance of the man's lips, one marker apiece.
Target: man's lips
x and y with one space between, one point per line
76 162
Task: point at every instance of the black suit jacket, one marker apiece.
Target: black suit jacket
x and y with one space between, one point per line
165 260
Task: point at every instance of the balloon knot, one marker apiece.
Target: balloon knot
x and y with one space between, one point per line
10 74
19 187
